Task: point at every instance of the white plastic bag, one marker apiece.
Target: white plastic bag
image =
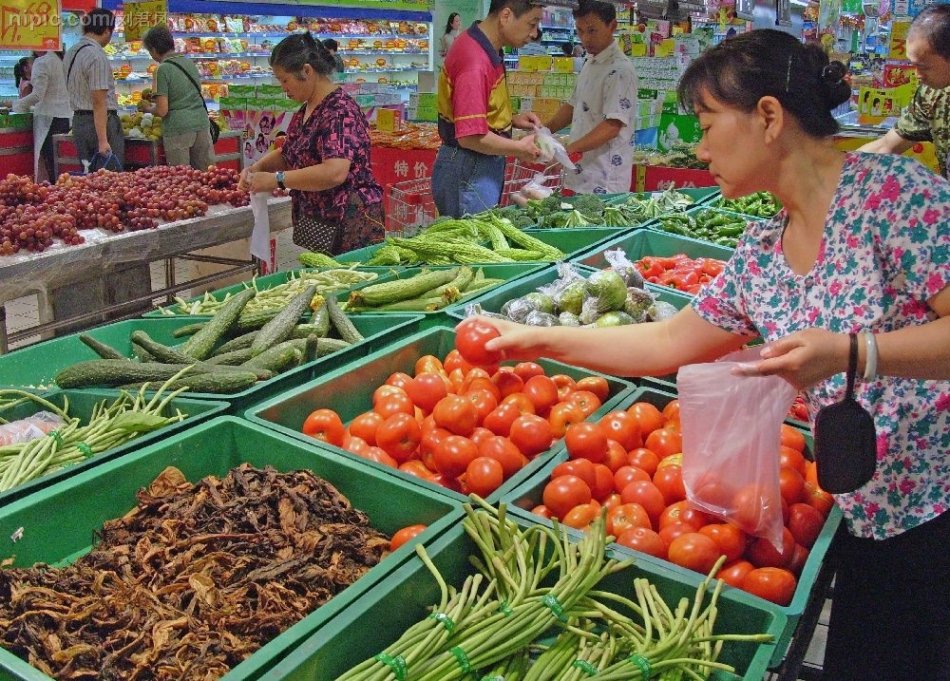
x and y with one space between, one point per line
552 149
32 427
731 435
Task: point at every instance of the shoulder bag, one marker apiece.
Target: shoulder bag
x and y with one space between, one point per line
213 127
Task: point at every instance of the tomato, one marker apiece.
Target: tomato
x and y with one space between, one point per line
425 391
624 475
499 420
612 501
799 558
694 551
771 583
792 437
385 390
644 458
582 515
453 454
429 364
399 436
526 370
565 384
647 416
429 443
805 523
671 412
483 402
394 403
620 426
542 392
625 517
456 380
483 475
562 415
761 553
542 511
379 456
646 494
616 456
664 442
416 468
669 480
734 573
671 460
791 484
470 339
595 384
644 540
481 383
792 458
364 426
586 441
565 492
454 360
531 434
603 482
729 538
404 535
750 508
324 424
356 445
586 400
479 435
520 400
819 498
399 379
507 382
682 512
502 450
456 414
582 468
674 530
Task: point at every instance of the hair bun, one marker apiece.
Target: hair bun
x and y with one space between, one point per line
837 89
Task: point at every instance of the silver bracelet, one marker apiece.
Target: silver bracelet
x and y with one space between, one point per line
870 358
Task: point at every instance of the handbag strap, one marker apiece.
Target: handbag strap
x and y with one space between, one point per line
69 71
193 82
852 366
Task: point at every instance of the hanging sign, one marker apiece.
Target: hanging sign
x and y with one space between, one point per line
399 5
141 16
897 49
30 25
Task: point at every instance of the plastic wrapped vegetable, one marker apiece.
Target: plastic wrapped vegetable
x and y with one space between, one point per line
571 298
660 311
608 289
616 318
569 319
639 302
30 428
620 263
537 318
518 309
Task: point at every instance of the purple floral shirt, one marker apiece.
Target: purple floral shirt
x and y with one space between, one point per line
336 129
885 252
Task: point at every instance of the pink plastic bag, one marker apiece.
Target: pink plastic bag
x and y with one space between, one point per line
731 435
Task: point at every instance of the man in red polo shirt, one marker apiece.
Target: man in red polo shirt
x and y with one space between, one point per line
475 117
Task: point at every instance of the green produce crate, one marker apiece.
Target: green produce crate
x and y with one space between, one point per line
80 405
348 391
406 596
700 195
648 242
59 521
358 255
573 241
38 364
528 495
266 282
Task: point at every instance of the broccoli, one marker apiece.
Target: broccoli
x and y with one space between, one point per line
516 215
590 206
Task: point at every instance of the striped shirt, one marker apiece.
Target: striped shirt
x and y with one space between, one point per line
91 72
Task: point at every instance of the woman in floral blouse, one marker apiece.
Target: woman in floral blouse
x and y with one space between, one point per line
325 162
862 246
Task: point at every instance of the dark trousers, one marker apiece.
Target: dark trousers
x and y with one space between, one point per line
890 614
59 126
86 141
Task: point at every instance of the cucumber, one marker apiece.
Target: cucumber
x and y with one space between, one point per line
202 343
327 346
344 327
102 349
242 342
216 382
252 321
310 349
233 358
402 289
321 320
304 330
465 277
160 352
141 354
282 326
114 372
188 330
279 357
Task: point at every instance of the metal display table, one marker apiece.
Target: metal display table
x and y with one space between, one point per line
89 264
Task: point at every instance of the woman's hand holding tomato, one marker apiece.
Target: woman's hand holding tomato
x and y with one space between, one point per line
471 337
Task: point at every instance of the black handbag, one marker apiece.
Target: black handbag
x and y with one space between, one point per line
845 439
213 128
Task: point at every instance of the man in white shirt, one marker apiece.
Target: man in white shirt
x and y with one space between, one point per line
51 111
602 110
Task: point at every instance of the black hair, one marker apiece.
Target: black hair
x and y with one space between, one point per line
933 24
769 63
159 39
518 7
299 49
98 20
605 11
448 23
19 70
567 49
331 44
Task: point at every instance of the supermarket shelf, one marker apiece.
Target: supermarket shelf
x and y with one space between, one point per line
229 79
384 52
202 55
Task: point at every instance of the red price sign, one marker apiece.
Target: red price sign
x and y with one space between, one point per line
30 25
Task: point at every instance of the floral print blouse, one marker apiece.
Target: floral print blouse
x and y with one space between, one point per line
884 254
337 128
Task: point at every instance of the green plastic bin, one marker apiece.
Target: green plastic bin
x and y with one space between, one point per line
37 364
700 195
528 495
266 282
648 242
406 596
359 255
59 521
79 404
574 241
349 389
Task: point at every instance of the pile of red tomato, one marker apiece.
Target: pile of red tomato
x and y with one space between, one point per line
631 463
679 271
464 427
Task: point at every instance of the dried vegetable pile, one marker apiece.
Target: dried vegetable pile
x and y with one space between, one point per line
192 580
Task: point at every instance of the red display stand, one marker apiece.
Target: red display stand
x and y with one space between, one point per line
658 178
16 151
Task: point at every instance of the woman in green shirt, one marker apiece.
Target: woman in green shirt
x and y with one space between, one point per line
178 101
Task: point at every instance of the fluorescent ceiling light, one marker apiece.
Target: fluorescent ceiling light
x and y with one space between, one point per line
799 3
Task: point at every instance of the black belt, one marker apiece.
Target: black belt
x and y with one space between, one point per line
88 112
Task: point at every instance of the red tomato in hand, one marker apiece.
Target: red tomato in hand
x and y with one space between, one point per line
565 492
771 583
404 535
326 425
470 339
694 551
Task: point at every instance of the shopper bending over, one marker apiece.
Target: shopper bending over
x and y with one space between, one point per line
927 119
325 162
475 118
179 103
860 247
601 109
